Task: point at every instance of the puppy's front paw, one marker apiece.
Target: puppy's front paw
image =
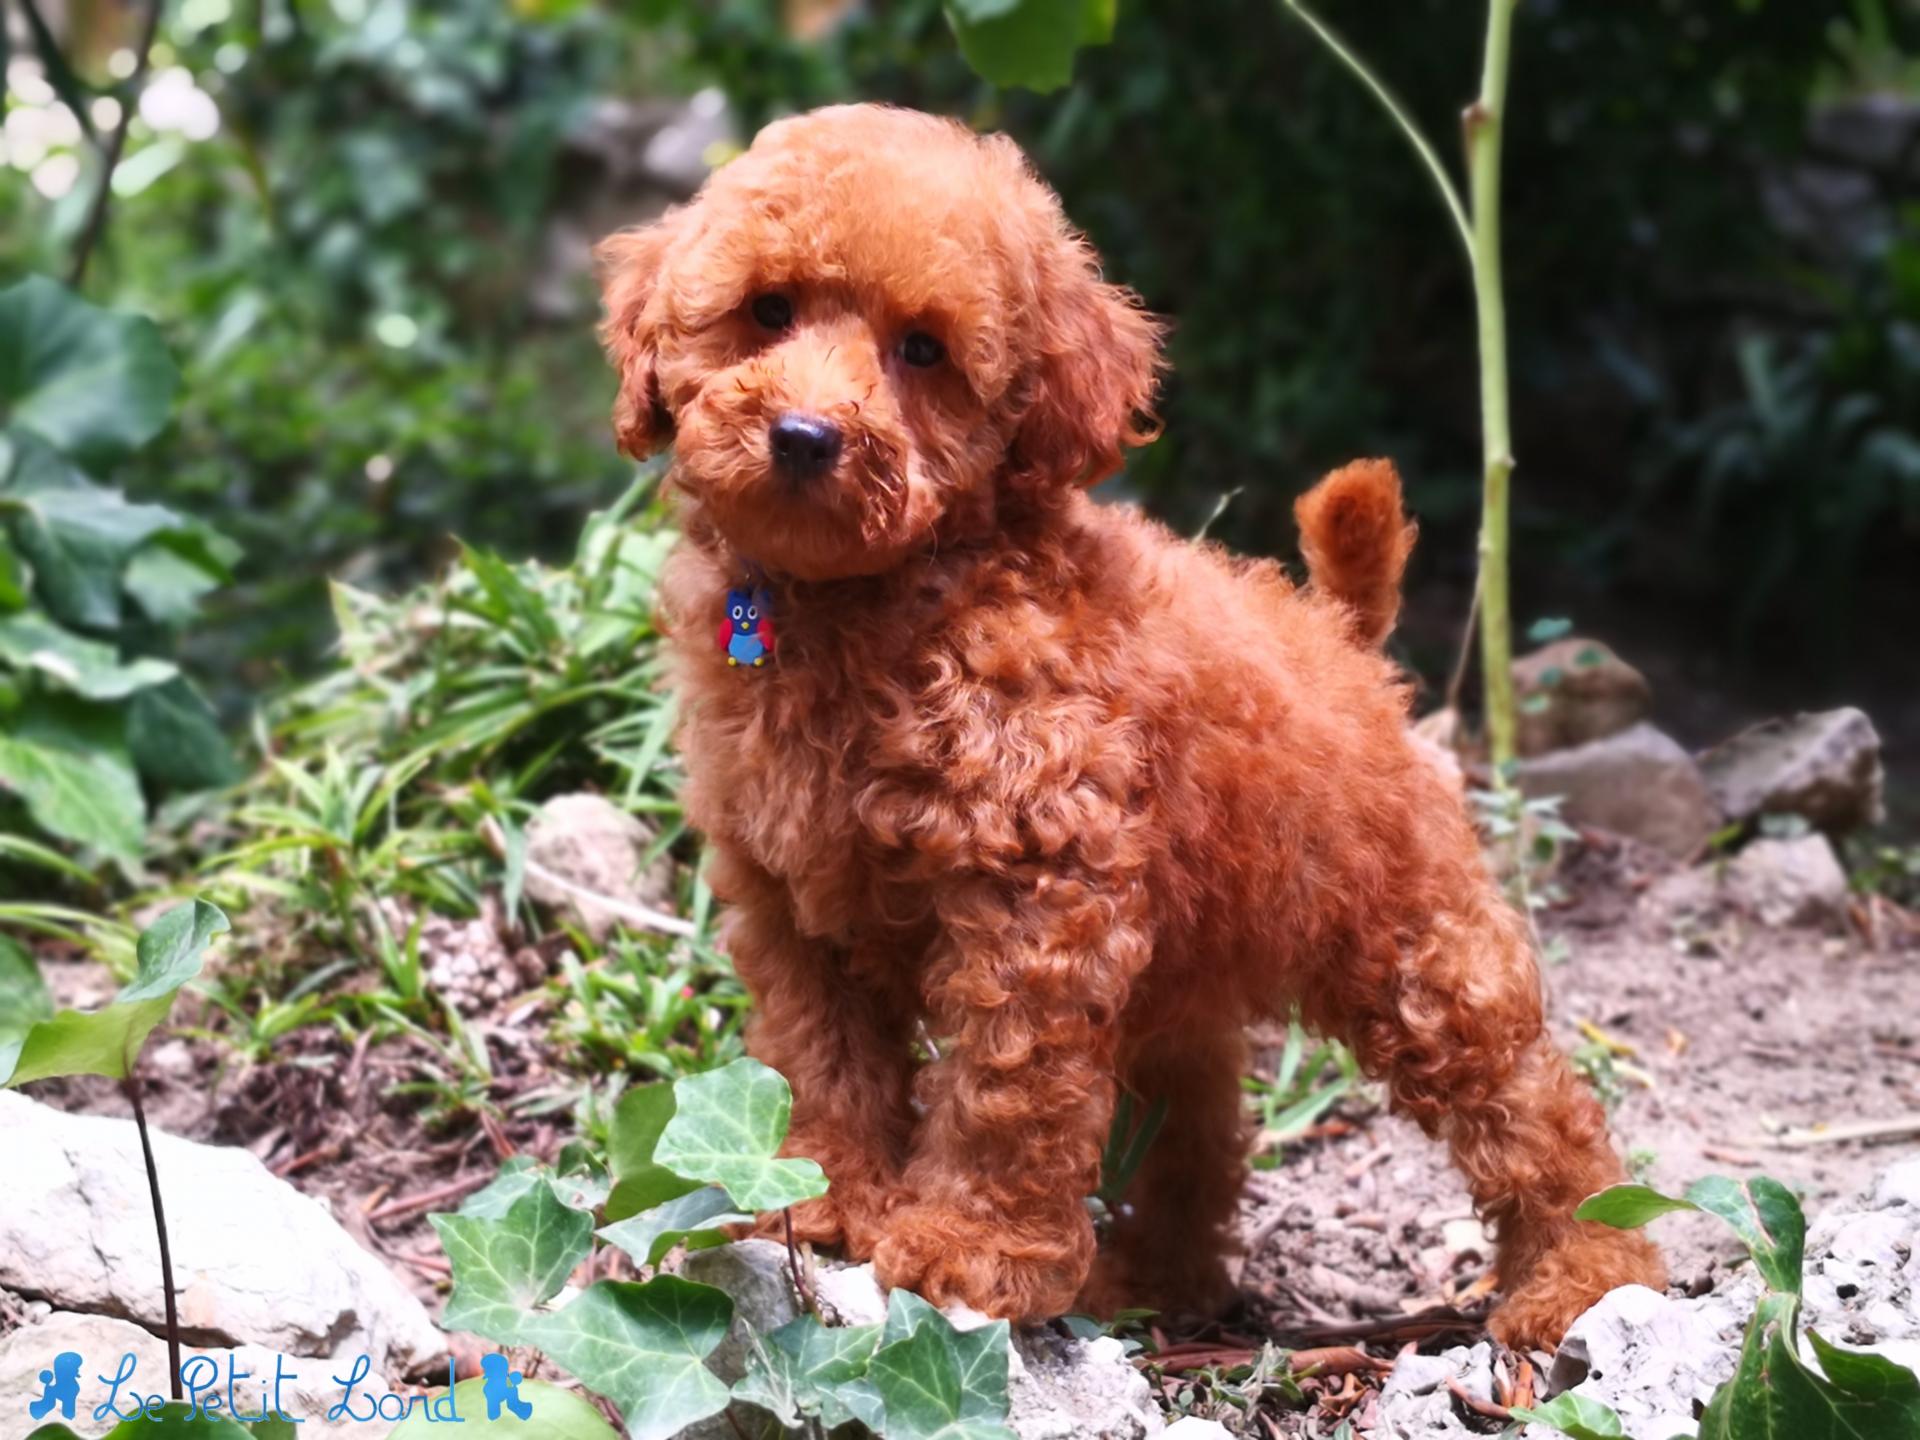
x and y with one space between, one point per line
1017 1269
1569 1278
850 1218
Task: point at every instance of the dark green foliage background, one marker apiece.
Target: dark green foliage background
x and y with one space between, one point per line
1713 421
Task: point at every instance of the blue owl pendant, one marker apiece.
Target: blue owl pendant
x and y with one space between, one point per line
746 630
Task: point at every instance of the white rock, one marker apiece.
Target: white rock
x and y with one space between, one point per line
1192 1427
852 1294
101 1342
1788 882
1066 1389
1900 1185
580 846
1653 1359
255 1261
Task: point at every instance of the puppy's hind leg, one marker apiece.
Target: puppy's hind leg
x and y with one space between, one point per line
1451 1019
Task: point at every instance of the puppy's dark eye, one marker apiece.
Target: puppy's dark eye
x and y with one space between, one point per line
921 349
773 311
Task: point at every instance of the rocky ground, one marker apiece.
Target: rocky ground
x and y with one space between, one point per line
1737 1006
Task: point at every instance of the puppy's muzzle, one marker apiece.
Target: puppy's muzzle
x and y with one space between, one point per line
803 446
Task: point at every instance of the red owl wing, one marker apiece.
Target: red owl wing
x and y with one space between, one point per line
724 633
766 632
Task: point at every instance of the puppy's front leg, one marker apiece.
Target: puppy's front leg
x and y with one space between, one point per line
1025 993
844 1048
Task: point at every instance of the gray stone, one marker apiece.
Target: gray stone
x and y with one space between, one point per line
755 1274
254 1260
101 1341
1639 783
585 856
1824 767
1418 1375
1575 691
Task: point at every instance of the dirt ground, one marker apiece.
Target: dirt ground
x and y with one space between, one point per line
1724 1035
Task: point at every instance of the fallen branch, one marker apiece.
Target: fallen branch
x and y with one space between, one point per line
1896 1127
644 917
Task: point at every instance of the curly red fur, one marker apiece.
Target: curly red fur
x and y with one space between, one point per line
1032 777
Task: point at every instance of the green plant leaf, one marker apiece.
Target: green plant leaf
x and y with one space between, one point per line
1029 43
1761 1211
1628 1207
1575 1416
639 1181
24 998
1773 1393
644 1347
95 384
726 1126
105 1042
802 1370
73 663
503 1269
68 762
554 1414
694 1217
16 576
78 535
938 1383
1766 1217
176 740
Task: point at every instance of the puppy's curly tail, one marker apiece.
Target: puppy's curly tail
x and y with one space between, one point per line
1356 539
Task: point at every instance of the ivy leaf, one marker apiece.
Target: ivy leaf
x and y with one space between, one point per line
639 1181
726 1126
68 762
87 668
1029 43
93 383
939 1383
553 1414
105 1042
803 1370
695 1217
520 1174
1773 1392
1761 1211
503 1269
1576 1416
644 1347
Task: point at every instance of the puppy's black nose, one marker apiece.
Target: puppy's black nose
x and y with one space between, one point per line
804 445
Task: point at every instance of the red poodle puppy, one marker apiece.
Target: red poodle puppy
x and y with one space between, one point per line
1031 801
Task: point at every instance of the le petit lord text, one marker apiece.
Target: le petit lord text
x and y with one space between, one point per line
205 1390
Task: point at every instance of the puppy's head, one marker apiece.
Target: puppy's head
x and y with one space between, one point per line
870 324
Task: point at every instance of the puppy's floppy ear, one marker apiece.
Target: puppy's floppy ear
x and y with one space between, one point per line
1090 394
630 263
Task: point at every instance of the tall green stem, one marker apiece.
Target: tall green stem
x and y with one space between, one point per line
1480 230
1484 123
